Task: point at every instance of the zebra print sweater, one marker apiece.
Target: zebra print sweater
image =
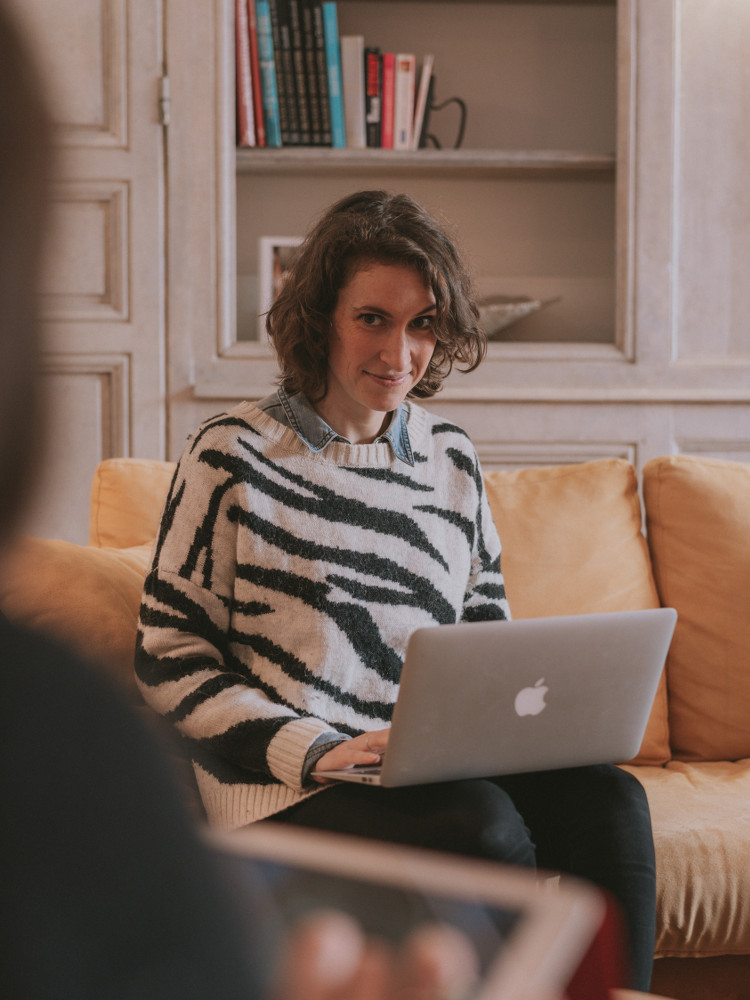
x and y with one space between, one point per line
285 584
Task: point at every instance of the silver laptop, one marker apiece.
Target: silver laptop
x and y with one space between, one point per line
492 698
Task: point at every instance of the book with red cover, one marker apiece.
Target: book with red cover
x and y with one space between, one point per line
386 109
373 95
245 110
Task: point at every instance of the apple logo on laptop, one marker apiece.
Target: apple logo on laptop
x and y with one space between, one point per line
530 700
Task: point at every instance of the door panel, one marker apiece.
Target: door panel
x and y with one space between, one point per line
103 298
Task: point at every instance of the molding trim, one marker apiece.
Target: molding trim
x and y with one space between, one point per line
506 455
111 373
102 232
111 130
734 450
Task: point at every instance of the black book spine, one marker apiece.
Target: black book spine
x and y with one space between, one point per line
300 72
282 45
311 73
321 72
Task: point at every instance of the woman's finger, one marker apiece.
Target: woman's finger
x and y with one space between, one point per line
367 748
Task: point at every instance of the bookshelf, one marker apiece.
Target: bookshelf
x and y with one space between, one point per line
477 161
532 194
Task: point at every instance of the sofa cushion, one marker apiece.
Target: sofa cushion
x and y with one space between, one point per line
86 597
127 497
701 820
698 516
572 544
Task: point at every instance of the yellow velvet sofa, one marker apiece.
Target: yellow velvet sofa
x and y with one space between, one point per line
572 542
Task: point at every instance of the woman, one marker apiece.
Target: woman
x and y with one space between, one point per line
305 537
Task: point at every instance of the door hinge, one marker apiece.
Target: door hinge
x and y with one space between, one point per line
165 104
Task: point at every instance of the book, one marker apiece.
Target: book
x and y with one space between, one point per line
245 110
321 70
388 80
260 125
333 65
268 74
353 89
403 100
373 95
282 48
300 72
424 130
423 96
311 73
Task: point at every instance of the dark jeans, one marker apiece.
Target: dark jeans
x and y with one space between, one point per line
592 822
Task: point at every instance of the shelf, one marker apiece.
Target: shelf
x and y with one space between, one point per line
298 160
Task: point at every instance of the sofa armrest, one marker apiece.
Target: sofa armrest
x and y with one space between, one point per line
85 597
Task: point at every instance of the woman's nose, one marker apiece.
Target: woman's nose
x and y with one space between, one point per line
396 351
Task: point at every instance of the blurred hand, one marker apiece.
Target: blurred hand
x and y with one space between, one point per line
328 958
368 748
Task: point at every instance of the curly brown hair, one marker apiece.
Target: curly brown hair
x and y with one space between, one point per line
371 227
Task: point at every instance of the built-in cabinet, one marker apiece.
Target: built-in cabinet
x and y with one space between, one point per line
584 174
604 165
531 193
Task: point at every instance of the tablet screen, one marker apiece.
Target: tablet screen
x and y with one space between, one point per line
525 935
284 894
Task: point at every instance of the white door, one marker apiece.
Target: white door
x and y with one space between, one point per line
103 294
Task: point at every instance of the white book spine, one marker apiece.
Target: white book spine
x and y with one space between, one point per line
403 101
353 85
421 104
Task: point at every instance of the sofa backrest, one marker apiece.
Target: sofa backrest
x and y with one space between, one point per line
698 519
572 544
127 496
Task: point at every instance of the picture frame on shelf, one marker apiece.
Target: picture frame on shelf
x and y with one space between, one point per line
275 254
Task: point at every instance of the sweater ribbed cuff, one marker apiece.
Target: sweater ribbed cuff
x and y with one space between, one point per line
288 749
321 746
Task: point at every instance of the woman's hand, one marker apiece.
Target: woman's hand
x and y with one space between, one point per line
368 748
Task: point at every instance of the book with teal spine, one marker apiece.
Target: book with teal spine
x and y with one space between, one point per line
333 62
268 74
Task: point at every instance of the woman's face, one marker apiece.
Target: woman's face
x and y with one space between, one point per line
381 343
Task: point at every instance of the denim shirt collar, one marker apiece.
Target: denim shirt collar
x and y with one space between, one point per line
296 412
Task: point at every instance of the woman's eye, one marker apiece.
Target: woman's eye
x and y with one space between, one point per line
370 319
424 322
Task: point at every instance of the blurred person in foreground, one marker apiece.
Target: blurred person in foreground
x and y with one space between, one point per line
107 887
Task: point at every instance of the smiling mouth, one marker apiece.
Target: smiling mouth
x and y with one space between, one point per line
389 379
